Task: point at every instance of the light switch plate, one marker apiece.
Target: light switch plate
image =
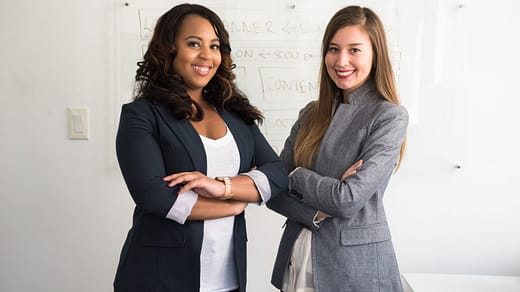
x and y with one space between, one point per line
78 122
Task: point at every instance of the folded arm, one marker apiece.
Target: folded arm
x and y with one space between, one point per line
379 154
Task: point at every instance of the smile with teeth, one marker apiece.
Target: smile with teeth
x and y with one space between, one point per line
344 73
203 70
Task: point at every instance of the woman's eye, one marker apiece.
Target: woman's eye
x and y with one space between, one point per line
194 44
215 47
355 50
333 49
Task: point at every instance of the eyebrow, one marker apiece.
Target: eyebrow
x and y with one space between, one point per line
200 39
353 44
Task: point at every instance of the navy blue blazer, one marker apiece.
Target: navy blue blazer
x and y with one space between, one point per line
159 254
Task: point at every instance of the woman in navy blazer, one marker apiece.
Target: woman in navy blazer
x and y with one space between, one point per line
187 125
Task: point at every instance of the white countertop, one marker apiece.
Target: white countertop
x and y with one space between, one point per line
419 282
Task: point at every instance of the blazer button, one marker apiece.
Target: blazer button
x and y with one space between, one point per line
297 195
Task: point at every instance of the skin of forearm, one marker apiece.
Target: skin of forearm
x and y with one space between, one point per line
243 189
206 208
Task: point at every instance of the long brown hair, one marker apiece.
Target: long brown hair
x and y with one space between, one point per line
156 79
310 135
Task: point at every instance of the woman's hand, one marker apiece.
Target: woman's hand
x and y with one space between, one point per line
198 182
320 216
352 169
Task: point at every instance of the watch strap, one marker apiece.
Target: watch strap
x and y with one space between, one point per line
227 183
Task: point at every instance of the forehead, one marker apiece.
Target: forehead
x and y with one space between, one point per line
352 34
196 25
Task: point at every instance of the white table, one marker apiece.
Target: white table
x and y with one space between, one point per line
418 282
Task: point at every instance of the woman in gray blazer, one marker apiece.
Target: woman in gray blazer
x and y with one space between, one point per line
336 236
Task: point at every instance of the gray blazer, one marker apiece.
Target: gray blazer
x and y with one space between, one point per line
352 251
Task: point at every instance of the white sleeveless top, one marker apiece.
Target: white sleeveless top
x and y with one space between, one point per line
217 267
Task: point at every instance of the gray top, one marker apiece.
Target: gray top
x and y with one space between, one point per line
351 251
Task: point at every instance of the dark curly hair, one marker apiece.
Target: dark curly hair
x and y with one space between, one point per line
156 79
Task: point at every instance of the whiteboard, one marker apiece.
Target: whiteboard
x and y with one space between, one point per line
275 46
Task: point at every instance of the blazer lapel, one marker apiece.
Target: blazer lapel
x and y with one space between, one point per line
187 135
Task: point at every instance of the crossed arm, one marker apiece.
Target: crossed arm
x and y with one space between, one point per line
350 171
210 203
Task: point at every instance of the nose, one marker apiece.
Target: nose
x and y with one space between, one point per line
343 59
205 52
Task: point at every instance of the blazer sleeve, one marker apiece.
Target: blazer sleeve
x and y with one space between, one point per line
379 153
140 159
286 204
268 162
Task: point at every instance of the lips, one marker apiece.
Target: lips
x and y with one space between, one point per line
202 70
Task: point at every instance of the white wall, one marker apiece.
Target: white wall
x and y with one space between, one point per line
464 220
64 209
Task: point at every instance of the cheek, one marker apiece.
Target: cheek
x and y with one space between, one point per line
369 63
179 60
217 60
329 63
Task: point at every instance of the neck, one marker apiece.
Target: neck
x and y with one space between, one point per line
196 95
345 98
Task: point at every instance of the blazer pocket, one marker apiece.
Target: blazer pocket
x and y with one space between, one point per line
161 232
365 234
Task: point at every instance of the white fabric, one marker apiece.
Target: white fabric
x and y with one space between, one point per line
262 184
182 207
298 275
217 267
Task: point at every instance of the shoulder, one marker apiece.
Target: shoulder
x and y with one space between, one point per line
305 112
145 108
139 112
137 107
138 104
307 109
387 110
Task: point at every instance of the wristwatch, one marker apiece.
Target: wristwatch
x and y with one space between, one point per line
227 183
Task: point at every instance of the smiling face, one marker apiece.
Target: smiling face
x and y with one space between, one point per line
349 58
197 53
